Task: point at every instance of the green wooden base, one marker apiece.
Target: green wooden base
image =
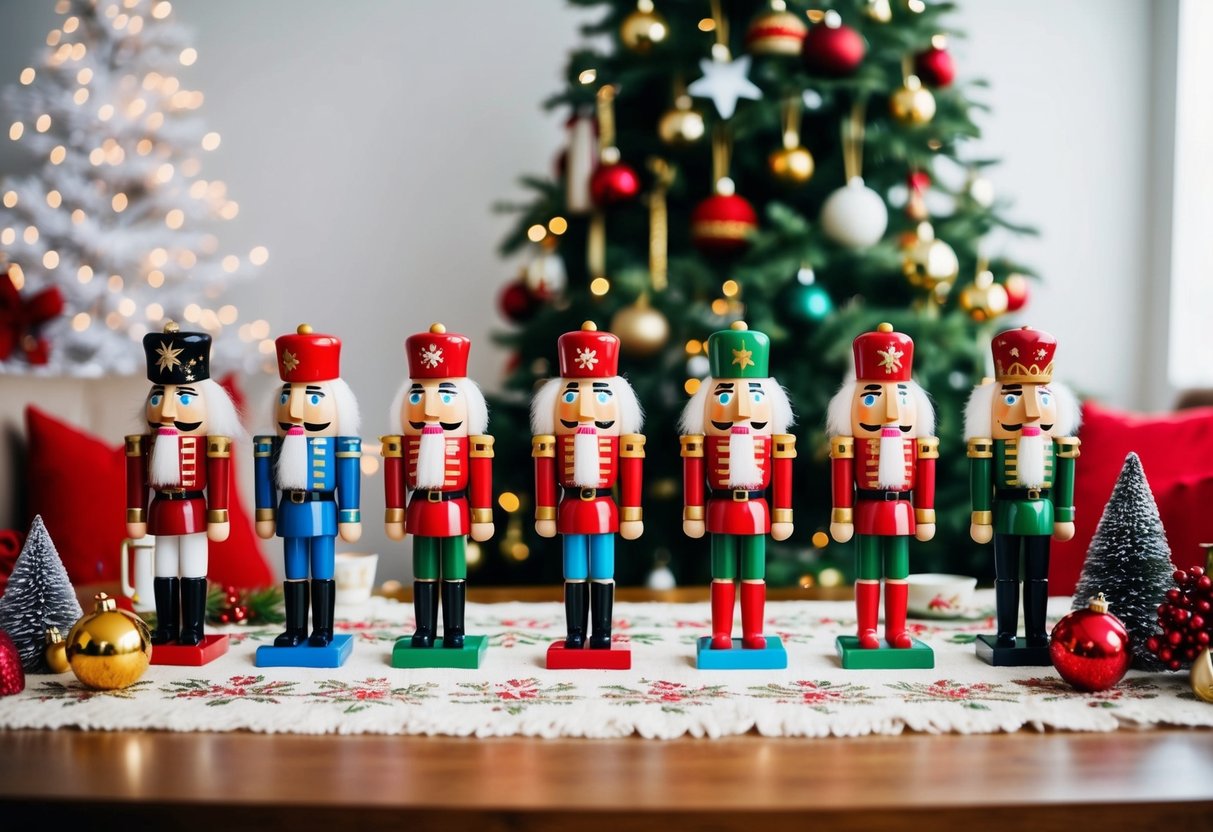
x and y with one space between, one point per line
853 657
468 657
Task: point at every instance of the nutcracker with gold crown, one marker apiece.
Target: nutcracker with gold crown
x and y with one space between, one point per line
307 492
586 427
736 450
1022 455
183 463
442 461
882 470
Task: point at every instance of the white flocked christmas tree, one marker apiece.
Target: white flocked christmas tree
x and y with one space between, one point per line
117 213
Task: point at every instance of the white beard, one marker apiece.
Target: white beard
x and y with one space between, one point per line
292 460
586 470
744 471
165 469
1030 461
431 458
891 473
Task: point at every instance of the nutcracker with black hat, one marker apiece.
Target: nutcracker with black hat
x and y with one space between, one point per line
1022 455
307 485
735 452
441 460
182 463
882 471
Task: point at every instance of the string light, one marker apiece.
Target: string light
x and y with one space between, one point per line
126 308
154 312
78 216
53 37
509 501
10 199
17 275
229 210
154 121
192 312
135 26
188 56
821 540
155 278
187 259
600 286
228 314
58 155
120 21
144 147
230 263
691 386
558 225
158 257
81 321
164 173
71 24
210 141
84 76
198 189
105 112
730 288
693 347
175 218
720 306
266 347
15 132
79 51
536 233
8 236
170 85
161 10
54 199
81 96
119 203
707 24
84 274
31 235
259 255
588 76
260 329
27 75
114 284
136 108
96 156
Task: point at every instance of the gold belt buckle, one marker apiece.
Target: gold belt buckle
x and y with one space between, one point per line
740 495
433 496
589 493
297 496
1033 493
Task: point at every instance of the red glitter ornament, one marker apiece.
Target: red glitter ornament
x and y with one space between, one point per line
722 223
834 51
1090 648
12 676
614 183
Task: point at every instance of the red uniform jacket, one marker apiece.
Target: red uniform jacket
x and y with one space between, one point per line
186 509
440 512
589 510
855 464
737 511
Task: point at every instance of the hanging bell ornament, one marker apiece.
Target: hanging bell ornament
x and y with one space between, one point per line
776 31
682 125
56 651
927 262
912 103
642 330
643 28
109 648
984 299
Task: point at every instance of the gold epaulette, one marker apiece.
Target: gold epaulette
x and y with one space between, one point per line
393 446
631 445
842 447
928 447
218 447
482 447
134 445
981 448
263 446
692 446
543 445
1067 447
784 447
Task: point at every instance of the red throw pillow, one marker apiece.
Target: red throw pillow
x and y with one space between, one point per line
1176 451
78 484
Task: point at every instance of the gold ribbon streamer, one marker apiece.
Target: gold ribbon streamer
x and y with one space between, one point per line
659 229
852 141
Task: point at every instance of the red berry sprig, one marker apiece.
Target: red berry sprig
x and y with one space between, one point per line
1185 619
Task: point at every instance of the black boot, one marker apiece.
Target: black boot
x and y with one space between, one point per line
425 610
168 610
454 598
1035 600
1006 597
602 602
193 610
576 612
295 597
324 603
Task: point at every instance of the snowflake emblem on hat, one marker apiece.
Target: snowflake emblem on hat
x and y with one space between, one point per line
586 358
890 359
1040 354
431 356
1015 352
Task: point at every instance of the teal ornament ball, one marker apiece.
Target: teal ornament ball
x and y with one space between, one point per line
808 303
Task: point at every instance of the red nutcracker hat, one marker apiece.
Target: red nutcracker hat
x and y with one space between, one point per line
1023 356
588 353
883 355
308 356
437 353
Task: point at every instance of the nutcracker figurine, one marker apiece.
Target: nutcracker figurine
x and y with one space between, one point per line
882 465
184 461
587 436
1022 454
443 457
735 442
307 489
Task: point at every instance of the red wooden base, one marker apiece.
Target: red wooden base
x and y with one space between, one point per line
183 655
619 657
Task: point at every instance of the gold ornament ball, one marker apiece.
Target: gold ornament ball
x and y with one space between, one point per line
641 30
791 165
109 648
929 262
642 330
1201 676
912 103
56 651
680 127
984 302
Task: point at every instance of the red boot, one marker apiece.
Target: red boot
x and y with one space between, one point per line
753 599
867 610
896 594
723 595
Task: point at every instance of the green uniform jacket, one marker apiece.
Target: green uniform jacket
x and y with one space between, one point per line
992 468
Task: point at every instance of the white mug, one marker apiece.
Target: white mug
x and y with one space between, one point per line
141 592
355 576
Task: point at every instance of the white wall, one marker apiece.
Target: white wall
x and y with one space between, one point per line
366 141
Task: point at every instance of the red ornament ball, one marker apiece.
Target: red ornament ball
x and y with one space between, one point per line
12 676
722 223
833 51
614 183
935 67
1018 288
517 303
1090 648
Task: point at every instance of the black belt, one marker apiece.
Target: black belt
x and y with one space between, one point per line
435 495
297 496
881 496
586 493
1021 494
180 495
737 495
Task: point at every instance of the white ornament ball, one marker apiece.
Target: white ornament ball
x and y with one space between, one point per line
854 215
698 366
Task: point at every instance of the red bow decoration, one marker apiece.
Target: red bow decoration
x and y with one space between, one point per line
20 319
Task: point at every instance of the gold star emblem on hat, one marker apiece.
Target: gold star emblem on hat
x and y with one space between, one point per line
168 356
743 358
289 361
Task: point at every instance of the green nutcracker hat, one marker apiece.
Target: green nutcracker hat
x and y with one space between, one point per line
739 352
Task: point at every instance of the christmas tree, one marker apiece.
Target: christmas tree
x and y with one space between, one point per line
1129 561
116 219
772 162
39 596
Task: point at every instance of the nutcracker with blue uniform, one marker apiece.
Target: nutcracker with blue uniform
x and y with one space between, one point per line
183 463
1022 455
586 427
442 461
882 464
736 450
307 492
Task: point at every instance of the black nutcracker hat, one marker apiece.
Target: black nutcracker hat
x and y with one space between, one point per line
175 357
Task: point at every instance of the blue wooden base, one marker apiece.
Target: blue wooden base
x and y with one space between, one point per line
917 656
468 657
333 655
185 655
773 657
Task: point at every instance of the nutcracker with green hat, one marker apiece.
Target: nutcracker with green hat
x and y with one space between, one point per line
736 454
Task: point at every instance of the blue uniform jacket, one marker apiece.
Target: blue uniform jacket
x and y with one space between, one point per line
333 485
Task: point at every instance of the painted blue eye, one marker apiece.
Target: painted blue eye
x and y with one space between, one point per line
414 398
1045 399
603 398
905 397
757 396
284 398
447 398
185 398
1009 399
869 400
155 400
315 399
570 396
725 398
